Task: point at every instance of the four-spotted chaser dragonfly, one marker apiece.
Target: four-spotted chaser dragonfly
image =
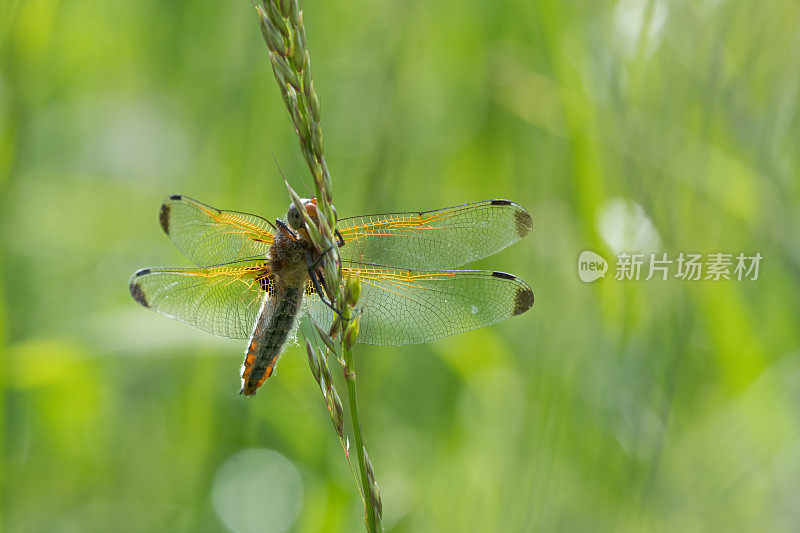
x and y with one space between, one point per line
254 279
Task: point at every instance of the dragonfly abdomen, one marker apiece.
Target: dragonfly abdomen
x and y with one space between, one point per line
274 323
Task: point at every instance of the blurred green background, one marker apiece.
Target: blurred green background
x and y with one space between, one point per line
655 124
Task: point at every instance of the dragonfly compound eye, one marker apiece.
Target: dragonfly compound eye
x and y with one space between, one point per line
294 218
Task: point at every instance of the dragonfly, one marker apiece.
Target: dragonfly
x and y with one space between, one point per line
255 279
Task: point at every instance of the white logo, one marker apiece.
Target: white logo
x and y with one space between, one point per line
591 266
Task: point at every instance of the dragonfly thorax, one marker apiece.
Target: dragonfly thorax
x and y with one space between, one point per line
288 259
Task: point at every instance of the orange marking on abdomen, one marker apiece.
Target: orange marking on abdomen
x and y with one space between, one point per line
267 373
269 337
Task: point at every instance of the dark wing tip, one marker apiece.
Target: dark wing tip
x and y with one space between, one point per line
523 297
141 272
138 293
166 210
523 300
524 222
163 214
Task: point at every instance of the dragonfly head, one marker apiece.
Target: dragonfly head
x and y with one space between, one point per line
294 217
296 220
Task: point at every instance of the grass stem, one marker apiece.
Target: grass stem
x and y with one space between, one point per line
282 27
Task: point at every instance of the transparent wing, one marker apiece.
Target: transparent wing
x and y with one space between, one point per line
208 236
440 239
223 300
412 306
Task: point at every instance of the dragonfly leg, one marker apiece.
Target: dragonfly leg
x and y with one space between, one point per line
315 264
289 232
316 279
340 241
